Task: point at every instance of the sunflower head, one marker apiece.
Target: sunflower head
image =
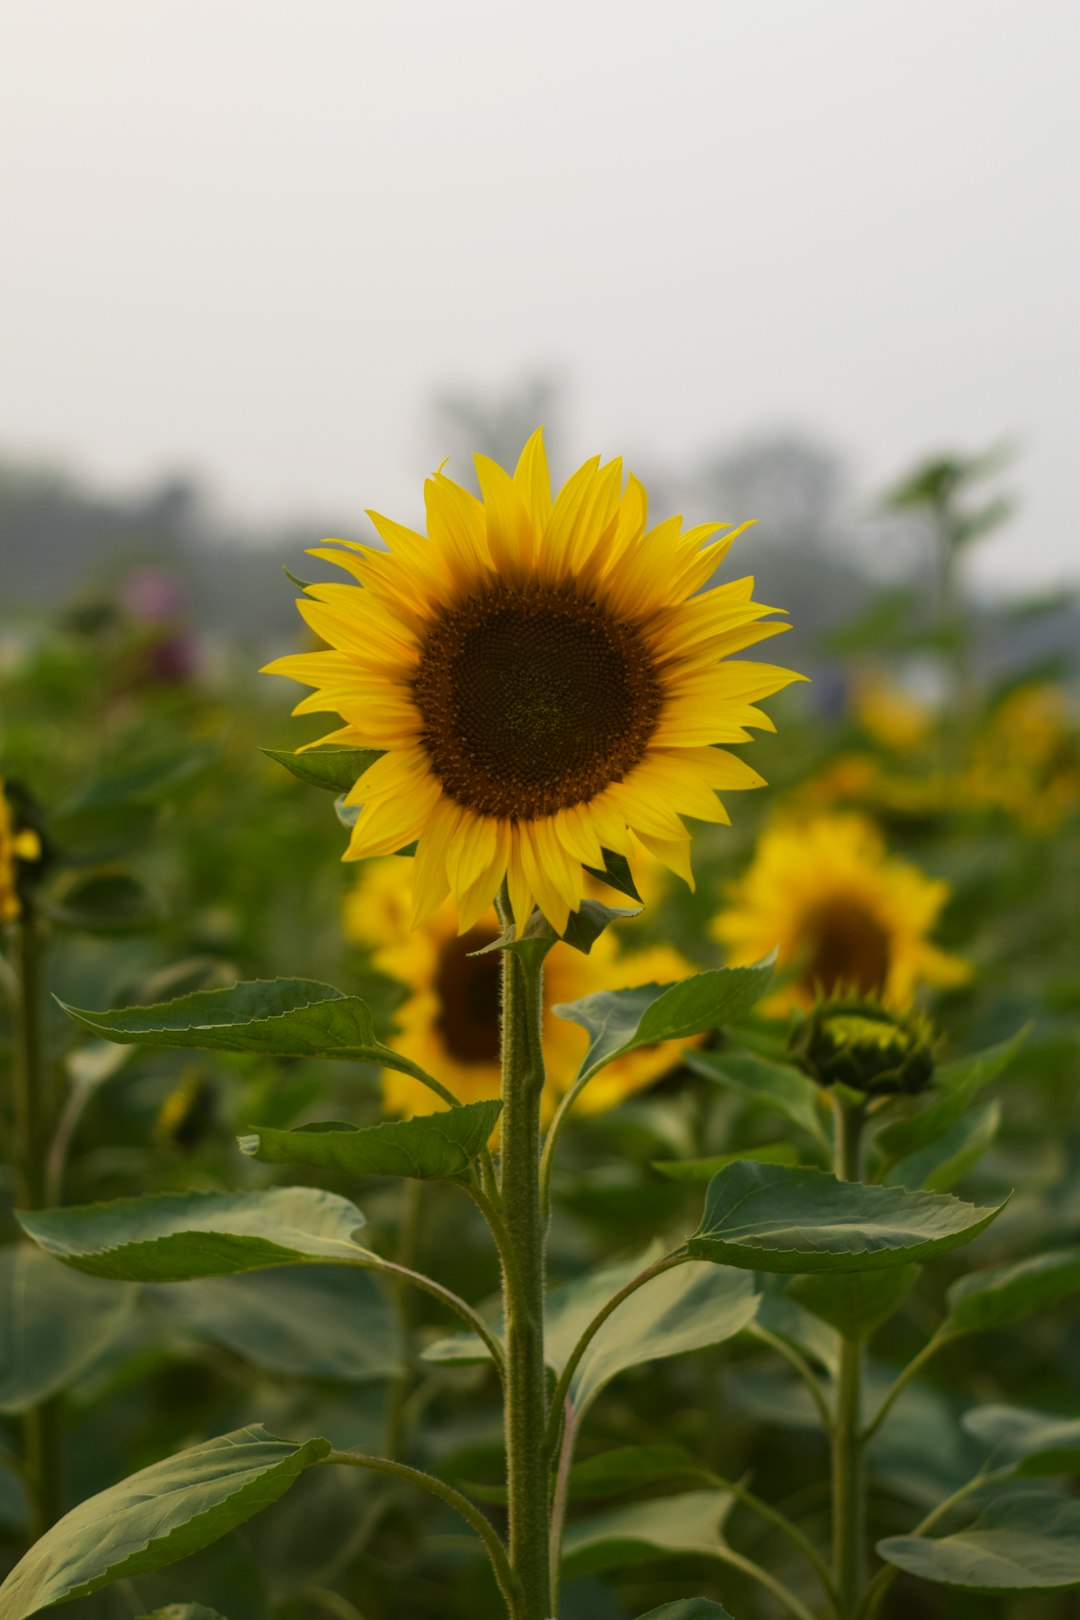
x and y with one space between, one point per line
448 1021
858 1043
21 849
847 916
543 679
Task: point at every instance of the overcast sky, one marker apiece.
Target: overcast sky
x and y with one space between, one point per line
254 237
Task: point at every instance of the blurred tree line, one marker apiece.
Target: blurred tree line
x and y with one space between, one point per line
65 550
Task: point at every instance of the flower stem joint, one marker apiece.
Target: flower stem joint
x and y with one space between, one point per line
858 1043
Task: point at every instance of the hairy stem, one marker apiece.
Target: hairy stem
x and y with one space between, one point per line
30 1109
848 1453
523 1277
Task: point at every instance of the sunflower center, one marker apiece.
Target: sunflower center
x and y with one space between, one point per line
467 988
849 949
534 698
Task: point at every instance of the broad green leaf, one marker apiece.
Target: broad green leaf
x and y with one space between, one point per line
943 1163
776 1086
336 769
183 1611
157 1516
855 1303
772 1218
286 1017
956 1085
105 903
429 1147
620 1021
169 1237
685 1526
1007 1294
632 1468
699 1172
687 1308
1037 1442
304 1322
688 1609
1019 1543
54 1325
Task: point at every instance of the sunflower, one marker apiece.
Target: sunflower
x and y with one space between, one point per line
17 844
449 1022
543 680
849 916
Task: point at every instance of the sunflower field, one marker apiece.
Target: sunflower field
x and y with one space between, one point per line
577 1121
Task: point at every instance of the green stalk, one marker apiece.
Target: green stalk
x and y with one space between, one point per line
523 1275
30 1110
848 1454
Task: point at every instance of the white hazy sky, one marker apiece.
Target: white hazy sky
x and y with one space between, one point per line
253 237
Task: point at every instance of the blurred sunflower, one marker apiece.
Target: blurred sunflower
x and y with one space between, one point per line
846 914
1026 759
449 1021
17 844
545 680
889 715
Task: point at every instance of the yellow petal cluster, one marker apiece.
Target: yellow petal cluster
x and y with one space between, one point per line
545 678
848 916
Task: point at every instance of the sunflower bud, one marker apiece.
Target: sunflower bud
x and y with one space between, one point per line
860 1044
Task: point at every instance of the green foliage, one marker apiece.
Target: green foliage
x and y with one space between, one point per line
168 1237
54 1325
336 769
684 1526
688 1609
855 1303
957 1085
778 1087
1019 1543
772 1218
156 1516
1007 1294
622 1021
429 1147
1037 1443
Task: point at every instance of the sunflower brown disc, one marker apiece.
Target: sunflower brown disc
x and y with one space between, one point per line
468 990
849 949
533 699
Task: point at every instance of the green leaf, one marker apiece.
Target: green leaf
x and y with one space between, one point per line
620 1021
699 1172
54 1325
956 1085
948 1160
155 1517
336 769
689 1525
855 1303
183 1611
151 783
1007 1294
430 1147
775 1086
169 1237
632 1468
1039 1443
1019 1543
303 1322
688 1609
286 1017
688 1308
772 1218
616 873
583 929
105 903
676 1312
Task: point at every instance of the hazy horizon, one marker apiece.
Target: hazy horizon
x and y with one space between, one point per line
255 241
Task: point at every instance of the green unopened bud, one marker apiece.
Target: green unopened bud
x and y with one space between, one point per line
862 1045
